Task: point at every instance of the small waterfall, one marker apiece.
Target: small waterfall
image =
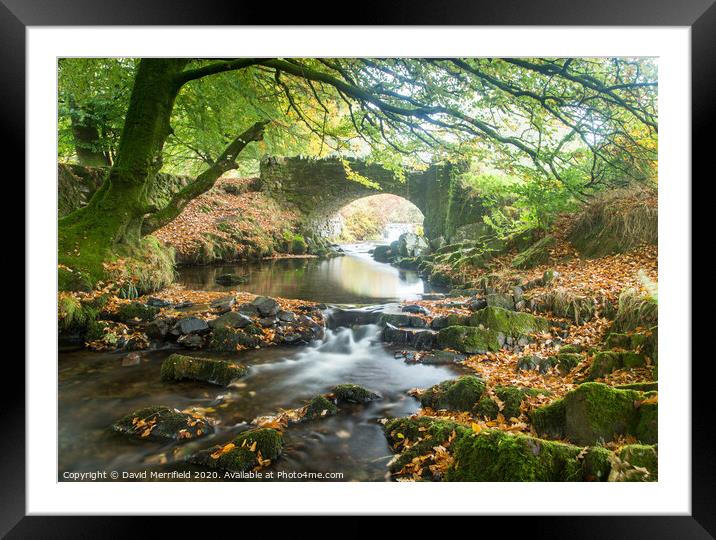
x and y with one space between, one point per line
392 231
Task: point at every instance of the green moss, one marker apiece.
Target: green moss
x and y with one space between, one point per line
178 367
639 455
268 441
597 412
566 362
353 393
536 254
169 424
511 397
570 349
487 407
135 310
496 456
469 339
422 433
456 395
229 340
597 463
605 362
550 420
241 458
647 429
510 323
319 407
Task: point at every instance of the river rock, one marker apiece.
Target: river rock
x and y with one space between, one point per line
411 245
239 457
158 302
319 407
338 317
402 320
232 319
476 304
501 300
250 310
440 358
268 322
416 338
178 367
230 279
382 254
451 319
162 423
222 305
415 308
160 327
454 395
191 341
353 393
286 316
189 325
230 340
268 307
132 359
470 339
595 412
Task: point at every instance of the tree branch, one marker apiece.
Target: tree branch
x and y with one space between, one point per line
205 181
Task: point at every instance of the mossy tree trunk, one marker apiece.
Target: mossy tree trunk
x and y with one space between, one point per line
113 222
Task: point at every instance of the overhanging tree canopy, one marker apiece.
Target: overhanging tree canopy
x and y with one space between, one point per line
581 122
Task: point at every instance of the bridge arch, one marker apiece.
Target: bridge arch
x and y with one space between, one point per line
319 188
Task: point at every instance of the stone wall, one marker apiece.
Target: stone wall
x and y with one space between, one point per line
76 184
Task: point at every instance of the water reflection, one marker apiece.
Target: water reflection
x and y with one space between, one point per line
352 278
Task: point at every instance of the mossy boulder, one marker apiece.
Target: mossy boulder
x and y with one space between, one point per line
550 421
470 339
642 456
511 398
605 362
459 394
162 423
133 311
319 407
536 254
647 428
566 361
496 456
242 453
595 412
417 436
597 464
227 339
178 367
510 323
353 393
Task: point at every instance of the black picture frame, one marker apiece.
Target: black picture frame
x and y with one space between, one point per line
699 15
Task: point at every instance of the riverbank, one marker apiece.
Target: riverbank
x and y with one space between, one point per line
519 367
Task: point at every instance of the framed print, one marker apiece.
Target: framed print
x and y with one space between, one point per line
414 268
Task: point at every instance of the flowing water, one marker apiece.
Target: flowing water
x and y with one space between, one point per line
95 389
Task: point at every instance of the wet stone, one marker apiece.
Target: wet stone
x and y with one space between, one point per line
268 307
189 325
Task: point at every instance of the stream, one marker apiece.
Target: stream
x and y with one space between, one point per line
95 389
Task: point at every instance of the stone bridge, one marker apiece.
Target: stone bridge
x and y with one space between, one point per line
319 188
